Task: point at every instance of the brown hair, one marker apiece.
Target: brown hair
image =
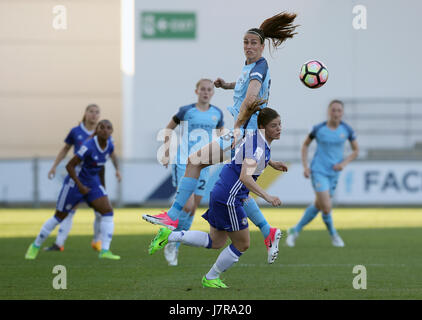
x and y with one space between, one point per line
266 115
87 108
336 101
276 29
203 79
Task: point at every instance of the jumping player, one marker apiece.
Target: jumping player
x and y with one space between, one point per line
197 120
252 85
85 182
226 214
326 166
76 137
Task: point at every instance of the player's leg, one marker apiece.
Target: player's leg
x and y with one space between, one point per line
325 205
69 197
227 258
45 231
98 199
320 183
63 232
271 235
96 239
213 153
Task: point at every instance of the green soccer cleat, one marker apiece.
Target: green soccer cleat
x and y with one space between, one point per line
32 252
213 283
160 240
106 254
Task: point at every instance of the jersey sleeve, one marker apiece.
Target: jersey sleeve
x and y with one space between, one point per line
70 138
180 115
352 134
315 129
259 71
83 152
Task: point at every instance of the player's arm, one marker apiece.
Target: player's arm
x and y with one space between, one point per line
70 167
248 168
220 83
115 162
278 165
167 141
62 154
304 152
355 152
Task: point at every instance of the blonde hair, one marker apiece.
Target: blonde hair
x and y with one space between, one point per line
203 79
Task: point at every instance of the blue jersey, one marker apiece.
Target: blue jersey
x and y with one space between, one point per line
330 146
77 137
93 159
258 71
197 128
228 187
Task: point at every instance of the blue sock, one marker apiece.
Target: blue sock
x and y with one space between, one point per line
328 220
184 190
255 215
307 217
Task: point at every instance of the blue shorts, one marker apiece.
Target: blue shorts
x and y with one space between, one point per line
226 217
322 182
70 196
178 171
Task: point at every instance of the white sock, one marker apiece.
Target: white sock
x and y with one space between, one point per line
106 230
227 258
64 229
191 238
46 229
97 227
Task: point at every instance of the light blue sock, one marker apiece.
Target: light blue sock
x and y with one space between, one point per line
307 217
255 215
186 187
185 222
328 220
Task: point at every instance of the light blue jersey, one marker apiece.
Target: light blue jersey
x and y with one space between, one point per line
330 146
197 128
258 71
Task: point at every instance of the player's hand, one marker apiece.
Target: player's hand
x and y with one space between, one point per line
220 83
165 161
307 172
278 165
339 166
83 189
52 173
118 176
274 201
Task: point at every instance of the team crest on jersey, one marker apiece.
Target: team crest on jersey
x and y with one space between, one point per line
214 118
245 221
342 135
80 137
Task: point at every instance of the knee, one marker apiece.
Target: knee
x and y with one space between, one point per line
326 209
243 246
61 215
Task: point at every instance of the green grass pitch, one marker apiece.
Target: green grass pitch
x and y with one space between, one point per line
387 242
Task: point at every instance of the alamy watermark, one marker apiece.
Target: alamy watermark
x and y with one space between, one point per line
360 280
60 281
59 17
360 20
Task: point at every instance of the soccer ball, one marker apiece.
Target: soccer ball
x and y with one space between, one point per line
313 74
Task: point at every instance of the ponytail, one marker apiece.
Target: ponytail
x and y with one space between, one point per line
276 29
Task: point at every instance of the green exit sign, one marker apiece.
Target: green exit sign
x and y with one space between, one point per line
168 25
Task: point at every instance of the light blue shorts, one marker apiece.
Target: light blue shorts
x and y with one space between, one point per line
322 182
178 171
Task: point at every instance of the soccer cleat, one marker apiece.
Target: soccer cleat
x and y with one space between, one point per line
54 247
32 252
337 241
213 283
292 235
271 242
107 254
160 240
162 219
170 253
96 245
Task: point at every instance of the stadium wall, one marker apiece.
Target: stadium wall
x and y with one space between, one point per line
376 183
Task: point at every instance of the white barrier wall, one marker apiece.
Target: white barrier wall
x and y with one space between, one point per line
361 183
